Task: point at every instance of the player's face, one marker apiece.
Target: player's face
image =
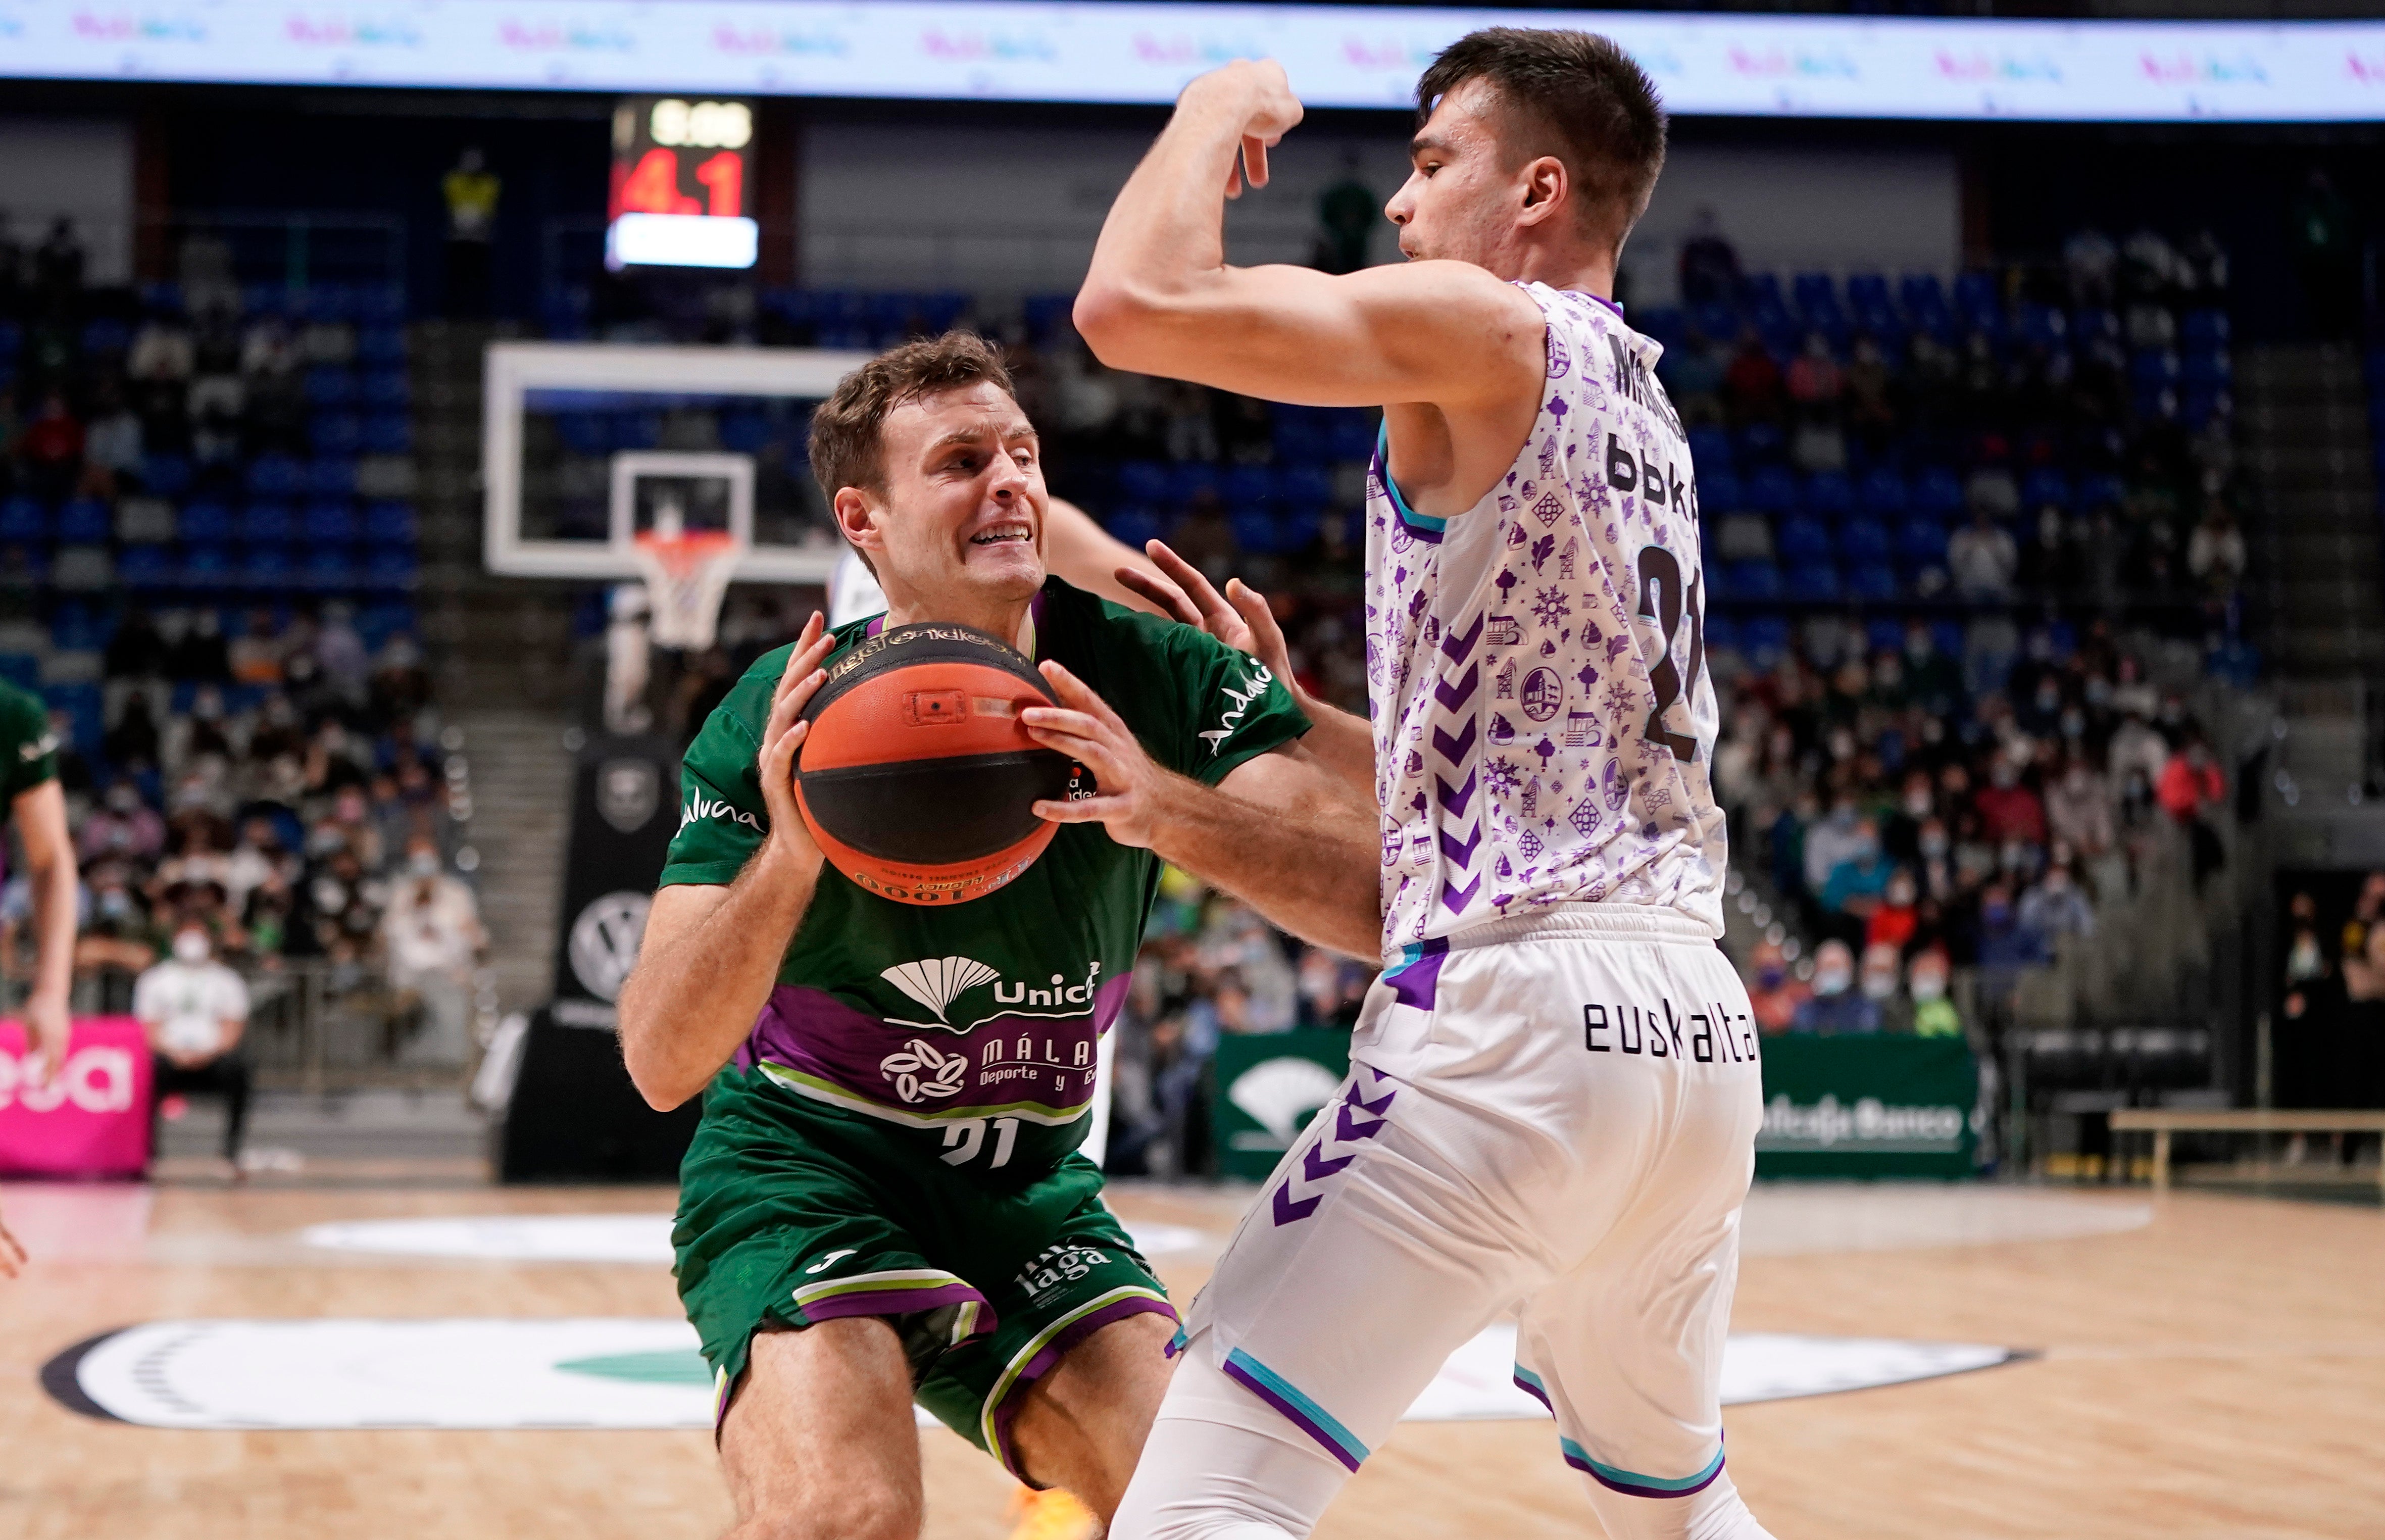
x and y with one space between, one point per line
962 519
1460 201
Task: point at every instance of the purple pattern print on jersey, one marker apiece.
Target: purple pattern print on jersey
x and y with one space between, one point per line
1543 722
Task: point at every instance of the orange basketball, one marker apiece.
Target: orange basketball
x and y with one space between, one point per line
917 778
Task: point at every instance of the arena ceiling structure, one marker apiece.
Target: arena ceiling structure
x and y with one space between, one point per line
1352 56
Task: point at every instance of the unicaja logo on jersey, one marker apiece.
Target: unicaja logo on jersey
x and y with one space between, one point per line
936 982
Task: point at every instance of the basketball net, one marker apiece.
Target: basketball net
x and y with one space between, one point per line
687 575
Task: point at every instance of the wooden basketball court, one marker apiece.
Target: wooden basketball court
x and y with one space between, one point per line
2204 1367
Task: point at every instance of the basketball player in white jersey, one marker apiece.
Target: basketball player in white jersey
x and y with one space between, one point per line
1555 1096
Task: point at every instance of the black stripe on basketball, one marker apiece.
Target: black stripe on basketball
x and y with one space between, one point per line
937 812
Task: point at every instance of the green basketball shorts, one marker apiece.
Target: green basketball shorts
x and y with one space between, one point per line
791 1213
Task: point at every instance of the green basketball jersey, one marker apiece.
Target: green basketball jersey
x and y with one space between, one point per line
976 1024
29 750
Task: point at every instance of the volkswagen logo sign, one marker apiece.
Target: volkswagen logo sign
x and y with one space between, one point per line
605 942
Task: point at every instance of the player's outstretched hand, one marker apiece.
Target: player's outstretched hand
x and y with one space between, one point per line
49 1029
12 1256
784 736
1084 728
1240 617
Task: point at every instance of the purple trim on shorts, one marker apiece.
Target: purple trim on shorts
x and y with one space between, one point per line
1292 1414
901 1302
1051 1353
1536 1392
1417 981
814 1033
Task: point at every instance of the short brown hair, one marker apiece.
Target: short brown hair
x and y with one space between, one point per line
847 441
1582 88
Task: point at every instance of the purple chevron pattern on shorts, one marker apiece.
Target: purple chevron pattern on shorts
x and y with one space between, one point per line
1326 1156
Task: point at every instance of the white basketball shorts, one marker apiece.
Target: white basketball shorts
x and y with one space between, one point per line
1555 1116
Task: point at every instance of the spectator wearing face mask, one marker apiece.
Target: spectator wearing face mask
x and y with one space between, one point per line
2055 908
123 827
1774 992
2009 810
1882 980
1853 889
1837 1009
195 1010
1831 841
1900 832
2006 946
1933 1013
432 929
2079 809
2191 789
1891 923
1934 869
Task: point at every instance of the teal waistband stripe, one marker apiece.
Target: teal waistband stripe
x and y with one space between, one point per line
1615 1475
1408 516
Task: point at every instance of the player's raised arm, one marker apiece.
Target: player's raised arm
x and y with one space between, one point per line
1161 299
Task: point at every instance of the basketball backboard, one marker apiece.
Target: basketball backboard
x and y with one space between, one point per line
587 445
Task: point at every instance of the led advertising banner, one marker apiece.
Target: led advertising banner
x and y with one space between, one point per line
1337 56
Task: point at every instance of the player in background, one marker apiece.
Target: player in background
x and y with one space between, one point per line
882 1201
28 779
1554 1093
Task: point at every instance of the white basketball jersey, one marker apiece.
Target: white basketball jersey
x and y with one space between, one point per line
1543 723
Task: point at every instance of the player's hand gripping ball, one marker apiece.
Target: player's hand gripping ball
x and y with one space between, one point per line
916 777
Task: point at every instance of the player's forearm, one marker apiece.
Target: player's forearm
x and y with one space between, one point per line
1343 744
1311 871
694 998
1164 236
54 924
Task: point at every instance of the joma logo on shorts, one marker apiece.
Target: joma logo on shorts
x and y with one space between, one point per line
704 807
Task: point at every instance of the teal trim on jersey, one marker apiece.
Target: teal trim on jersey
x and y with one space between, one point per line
1616 1475
1533 1381
1408 516
1315 1419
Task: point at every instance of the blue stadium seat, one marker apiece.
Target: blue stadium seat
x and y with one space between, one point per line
387 390
1773 489
145 568
2199 406
1947 637
2204 328
331 478
267 523
391 524
381 619
585 432
1247 488
1802 538
2095 492
1766 638
1297 530
1883 635
2093 325
329 385
1188 479
328 523
2206 368
1938 493
381 347
166 475
381 304
1761 444
207 523
1722 634
206 568
393 434
2046 485
1255 533
1351 437
2152 367
1829 493
1921 290
264 299
1710 450
1874 582
740 432
335 432
1143 481
2041 324
1863 541
1815 291
265 570
391 571
1720 493
1812 582
84 520
1922 541
1135 525
276 476
22 669
1883 495
1753 580
105 336
12 340
1303 486
329 571
23 519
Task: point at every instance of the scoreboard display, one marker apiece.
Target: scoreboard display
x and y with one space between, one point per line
682 184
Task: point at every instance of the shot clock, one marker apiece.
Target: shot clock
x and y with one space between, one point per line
682 168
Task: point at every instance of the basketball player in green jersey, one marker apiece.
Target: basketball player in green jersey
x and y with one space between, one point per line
29 781
882 1201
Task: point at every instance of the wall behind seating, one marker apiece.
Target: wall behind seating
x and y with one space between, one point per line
78 167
